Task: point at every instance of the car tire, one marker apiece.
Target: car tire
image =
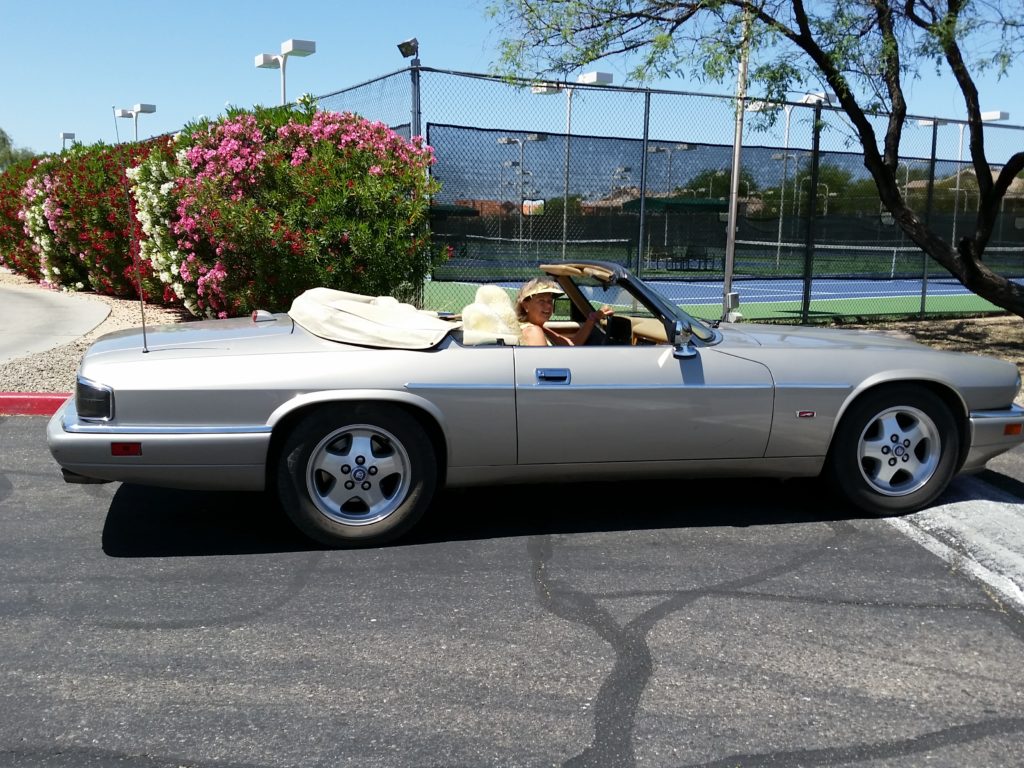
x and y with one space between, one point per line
356 475
896 449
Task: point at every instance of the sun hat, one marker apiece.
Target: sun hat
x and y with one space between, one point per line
534 287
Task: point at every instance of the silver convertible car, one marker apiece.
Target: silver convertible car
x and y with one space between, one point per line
354 410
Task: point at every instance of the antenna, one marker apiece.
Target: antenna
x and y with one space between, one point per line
133 245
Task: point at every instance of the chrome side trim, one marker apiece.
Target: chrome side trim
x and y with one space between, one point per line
796 385
414 385
428 386
98 429
1012 413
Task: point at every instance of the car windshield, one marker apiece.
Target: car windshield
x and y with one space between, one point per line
644 303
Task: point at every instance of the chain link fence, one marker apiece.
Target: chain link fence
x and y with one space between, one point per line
535 173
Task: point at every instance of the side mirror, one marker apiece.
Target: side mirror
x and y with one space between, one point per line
681 346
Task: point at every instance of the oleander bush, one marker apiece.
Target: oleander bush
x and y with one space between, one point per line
90 215
17 250
258 206
230 215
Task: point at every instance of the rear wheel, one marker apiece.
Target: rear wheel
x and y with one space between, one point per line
895 450
356 475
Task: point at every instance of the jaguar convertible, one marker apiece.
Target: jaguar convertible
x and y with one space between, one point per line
354 410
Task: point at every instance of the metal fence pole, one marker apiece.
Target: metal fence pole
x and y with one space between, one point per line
414 70
643 181
812 210
928 214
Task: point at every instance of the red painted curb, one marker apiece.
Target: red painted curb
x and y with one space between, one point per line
31 403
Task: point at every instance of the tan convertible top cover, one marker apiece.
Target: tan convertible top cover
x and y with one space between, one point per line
375 321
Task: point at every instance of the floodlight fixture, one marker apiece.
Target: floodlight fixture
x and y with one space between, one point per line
134 112
301 48
291 47
410 48
595 78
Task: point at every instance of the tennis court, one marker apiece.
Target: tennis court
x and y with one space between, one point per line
762 299
849 280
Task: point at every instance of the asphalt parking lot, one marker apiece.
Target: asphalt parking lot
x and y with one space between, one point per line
748 623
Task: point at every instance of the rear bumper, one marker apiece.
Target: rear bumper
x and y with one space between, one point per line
170 457
989 435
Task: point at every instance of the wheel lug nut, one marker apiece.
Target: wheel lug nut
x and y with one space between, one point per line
360 460
366 486
372 470
885 449
906 443
345 469
349 485
894 439
906 457
892 462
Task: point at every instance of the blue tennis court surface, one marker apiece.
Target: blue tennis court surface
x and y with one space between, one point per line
764 291
769 291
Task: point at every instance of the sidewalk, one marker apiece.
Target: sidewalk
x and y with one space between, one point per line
35 321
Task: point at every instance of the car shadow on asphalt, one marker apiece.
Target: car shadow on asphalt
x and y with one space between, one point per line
1005 483
160 522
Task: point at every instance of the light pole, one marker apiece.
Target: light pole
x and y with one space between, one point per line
587 78
622 173
987 117
827 195
280 61
65 137
521 142
663 150
761 106
134 112
711 182
410 49
501 187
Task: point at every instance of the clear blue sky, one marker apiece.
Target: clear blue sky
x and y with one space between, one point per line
67 62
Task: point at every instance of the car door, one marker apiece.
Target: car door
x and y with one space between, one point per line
639 403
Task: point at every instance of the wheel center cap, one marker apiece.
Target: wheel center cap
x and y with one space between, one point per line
359 474
899 450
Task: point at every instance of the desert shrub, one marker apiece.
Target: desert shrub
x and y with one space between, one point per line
16 247
258 206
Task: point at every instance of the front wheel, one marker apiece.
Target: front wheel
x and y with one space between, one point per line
895 450
356 475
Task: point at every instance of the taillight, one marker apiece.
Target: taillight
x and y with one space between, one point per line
93 401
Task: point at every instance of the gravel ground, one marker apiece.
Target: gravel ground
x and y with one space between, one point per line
54 370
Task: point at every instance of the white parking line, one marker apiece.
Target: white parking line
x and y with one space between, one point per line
981 535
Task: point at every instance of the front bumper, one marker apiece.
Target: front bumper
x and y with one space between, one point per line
993 433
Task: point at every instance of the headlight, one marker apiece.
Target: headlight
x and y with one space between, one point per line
93 401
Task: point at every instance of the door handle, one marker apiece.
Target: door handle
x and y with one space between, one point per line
553 376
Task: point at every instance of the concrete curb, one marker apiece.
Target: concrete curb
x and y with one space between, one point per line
31 403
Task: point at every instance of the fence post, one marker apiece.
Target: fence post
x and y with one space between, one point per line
643 182
812 211
414 70
928 215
